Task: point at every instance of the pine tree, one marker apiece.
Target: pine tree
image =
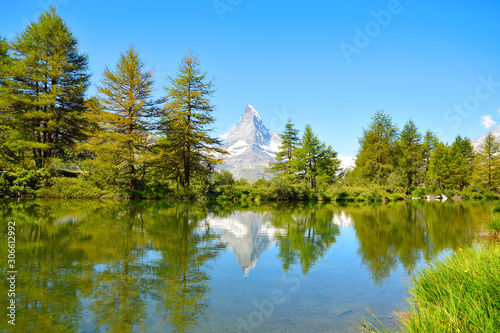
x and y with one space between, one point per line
439 167
313 159
430 143
47 78
487 171
289 143
125 110
462 155
186 123
7 142
377 155
411 154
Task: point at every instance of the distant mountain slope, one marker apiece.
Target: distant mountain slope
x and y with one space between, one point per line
252 147
478 142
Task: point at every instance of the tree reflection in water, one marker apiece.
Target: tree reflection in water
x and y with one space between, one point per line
117 266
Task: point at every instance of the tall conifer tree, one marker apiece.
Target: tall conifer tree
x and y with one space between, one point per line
313 159
377 155
126 110
487 168
411 154
439 167
289 143
462 158
8 144
47 78
187 121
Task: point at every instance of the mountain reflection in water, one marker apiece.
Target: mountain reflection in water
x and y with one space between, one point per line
117 266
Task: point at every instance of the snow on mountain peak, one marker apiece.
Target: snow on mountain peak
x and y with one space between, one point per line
477 143
251 146
250 109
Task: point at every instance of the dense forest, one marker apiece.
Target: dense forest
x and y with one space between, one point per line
56 141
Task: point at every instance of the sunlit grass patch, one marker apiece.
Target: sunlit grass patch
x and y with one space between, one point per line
460 293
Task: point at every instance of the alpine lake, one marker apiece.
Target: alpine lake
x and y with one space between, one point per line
155 266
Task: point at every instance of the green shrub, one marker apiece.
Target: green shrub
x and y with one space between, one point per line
418 193
78 188
495 209
396 196
23 182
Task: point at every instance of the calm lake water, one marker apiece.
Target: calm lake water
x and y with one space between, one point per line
117 266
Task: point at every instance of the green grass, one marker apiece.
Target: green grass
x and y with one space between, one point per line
494 224
458 294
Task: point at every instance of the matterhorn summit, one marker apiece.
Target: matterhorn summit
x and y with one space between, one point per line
251 147
477 143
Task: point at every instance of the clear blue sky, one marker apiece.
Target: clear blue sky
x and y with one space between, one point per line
427 60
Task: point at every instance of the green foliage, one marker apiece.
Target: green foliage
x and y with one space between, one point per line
303 166
487 164
397 181
411 152
313 159
377 155
458 294
223 177
44 85
439 167
124 110
494 224
23 182
462 155
339 192
495 209
79 188
186 125
418 193
289 143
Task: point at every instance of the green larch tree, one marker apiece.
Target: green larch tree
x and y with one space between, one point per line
430 142
289 143
313 159
186 123
48 78
411 154
377 155
462 155
126 111
439 167
486 170
8 150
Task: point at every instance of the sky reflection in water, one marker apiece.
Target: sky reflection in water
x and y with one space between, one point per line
115 266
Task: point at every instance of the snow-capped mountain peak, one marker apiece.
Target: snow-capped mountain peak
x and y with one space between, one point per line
251 146
477 143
